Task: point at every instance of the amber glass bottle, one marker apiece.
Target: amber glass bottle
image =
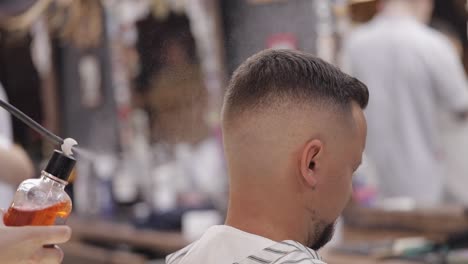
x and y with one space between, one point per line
43 201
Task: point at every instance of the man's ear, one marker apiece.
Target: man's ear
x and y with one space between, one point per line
308 164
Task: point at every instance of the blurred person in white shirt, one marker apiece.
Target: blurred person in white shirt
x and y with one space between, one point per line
14 162
413 73
454 134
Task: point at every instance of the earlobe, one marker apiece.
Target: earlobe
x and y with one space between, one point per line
308 165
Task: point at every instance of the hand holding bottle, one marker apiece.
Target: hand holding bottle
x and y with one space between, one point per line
25 244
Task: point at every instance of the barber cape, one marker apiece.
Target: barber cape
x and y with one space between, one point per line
225 244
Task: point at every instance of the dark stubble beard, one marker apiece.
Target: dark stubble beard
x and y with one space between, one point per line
323 234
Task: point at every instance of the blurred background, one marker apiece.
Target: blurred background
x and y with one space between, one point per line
139 85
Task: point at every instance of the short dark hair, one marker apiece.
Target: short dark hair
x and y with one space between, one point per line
278 75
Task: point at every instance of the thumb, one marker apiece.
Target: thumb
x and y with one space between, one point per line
48 234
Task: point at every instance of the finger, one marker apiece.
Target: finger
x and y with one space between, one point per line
48 256
44 235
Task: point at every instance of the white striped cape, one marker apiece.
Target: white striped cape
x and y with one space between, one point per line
285 252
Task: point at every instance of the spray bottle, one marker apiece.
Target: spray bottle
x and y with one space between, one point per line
43 201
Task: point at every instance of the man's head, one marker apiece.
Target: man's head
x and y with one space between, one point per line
421 9
294 133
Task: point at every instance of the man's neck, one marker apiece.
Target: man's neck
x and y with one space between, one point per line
267 220
399 9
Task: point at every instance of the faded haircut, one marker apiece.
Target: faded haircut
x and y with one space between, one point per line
272 77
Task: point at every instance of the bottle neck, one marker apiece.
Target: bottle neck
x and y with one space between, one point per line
52 180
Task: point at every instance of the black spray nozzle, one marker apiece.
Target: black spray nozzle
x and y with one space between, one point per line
60 165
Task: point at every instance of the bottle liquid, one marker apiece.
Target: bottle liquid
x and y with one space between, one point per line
43 201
